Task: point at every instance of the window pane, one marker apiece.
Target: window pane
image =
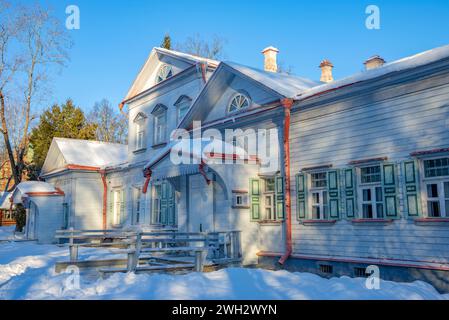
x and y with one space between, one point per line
432 191
433 208
379 197
436 167
269 185
316 212
367 211
366 194
446 190
370 174
380 210
319 180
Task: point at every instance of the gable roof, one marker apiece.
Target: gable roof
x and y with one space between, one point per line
404 64
65 152
139 82
286 85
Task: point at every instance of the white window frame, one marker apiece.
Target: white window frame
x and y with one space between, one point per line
439 181
160 127
361 186
163 74
322 193
117 207
241 197
271 194
140 132
156 204
137 205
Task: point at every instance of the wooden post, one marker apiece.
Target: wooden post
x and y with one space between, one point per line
199 261
134 252
73 249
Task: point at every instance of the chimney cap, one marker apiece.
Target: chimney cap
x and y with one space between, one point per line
326 63
270 48
375 58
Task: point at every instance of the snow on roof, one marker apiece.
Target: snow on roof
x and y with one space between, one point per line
5 202
187 56
92 153
286 85
414 61
207 146
35 186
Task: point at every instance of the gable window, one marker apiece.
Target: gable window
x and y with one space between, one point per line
140 141
182 106
238 102
164 73
372 194
436 172
160 124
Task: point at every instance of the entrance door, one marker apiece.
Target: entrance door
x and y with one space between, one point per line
201 205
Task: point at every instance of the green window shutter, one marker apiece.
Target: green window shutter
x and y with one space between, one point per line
333 194
164 204
389 188
254 187
301 195
412 203
350 193
171 205
279 190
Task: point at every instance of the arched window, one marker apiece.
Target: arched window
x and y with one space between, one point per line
182 105
164 73
160 124
238 102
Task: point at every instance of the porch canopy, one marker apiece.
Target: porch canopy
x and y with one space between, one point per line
34 189
191 156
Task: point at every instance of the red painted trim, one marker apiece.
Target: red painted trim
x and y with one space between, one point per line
431 220
318 221
105 198
385 262
422 153
84 168
372 220
287 104
46 194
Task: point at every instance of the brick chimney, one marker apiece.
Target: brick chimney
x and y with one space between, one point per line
374 62
326 71
270 54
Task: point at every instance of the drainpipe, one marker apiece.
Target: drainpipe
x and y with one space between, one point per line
287 104
120 106
105 198
147 174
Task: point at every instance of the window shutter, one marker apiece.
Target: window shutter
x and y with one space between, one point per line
164 204
254 187
412 203
279 190
333 194
301 195
389 188
171 205
350 193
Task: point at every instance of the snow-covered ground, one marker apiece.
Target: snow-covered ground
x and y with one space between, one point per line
27 272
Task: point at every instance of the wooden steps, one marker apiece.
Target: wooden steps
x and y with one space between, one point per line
150 268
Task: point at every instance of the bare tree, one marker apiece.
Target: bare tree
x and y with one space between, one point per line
112 126
197 46
32 43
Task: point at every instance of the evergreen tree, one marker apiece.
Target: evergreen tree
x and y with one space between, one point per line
166 43
66 121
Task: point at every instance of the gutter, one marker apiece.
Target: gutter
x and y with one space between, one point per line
287 104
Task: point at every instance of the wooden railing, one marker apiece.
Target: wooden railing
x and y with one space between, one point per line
221 247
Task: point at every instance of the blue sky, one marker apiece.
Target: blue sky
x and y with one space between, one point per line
116 36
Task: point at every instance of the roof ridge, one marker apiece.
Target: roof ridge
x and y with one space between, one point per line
89 141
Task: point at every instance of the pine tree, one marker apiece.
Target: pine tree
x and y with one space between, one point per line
66 121
166 43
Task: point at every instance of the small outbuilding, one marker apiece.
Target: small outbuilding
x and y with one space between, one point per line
44 209
6 218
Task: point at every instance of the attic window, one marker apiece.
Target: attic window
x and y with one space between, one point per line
238 102
164 73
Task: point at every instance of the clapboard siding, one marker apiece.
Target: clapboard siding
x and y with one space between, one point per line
392 121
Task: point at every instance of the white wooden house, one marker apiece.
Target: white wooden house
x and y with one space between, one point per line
358 172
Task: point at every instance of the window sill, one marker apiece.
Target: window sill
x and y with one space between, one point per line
240 207
425 221
159 145
372 221
317 222
140 151
270 223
